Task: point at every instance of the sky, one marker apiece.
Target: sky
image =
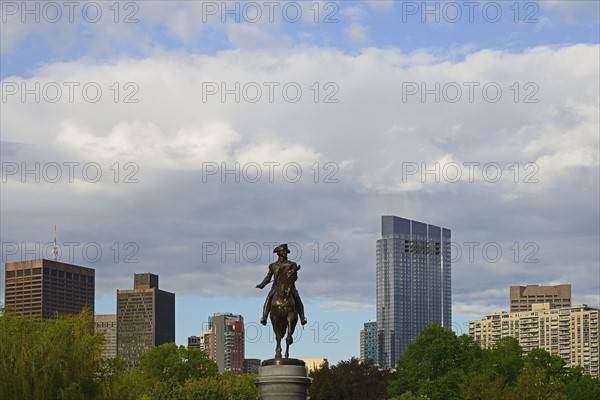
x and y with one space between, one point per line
188 139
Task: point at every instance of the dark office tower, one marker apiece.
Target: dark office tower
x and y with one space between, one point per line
40 288
145 318
413 284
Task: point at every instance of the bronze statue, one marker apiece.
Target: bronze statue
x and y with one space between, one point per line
283 300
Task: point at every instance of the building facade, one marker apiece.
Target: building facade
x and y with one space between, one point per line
368 342
569 332
523 297
194 342
41 288
251 365
413 284
313 364
107 324
145 318
224 342
205 340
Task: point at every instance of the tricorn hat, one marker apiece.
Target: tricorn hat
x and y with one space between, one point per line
281 247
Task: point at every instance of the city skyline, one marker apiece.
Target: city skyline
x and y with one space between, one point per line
158 136
225 339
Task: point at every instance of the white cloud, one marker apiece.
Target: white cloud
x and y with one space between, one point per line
175 127
475 311
356 33
354 12
346 306
382 6
571 11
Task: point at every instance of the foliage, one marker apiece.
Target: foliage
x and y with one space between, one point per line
438 366
349 380
581 387
168 372
60 359
224 387
173 364
53 359
435 365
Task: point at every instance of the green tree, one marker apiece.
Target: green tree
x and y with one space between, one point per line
580 386
168 362
435 365
482 386
504 360
349 380
408 396
534 384
239 387
50 359
552 366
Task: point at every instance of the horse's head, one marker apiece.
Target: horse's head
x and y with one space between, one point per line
286 276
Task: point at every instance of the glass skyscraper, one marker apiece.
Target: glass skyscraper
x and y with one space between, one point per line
413 284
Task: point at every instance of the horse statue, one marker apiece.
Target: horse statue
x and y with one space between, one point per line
284 315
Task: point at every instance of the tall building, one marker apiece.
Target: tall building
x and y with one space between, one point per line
368 342
569 332
413 284
145 318
40 288
107 324
523 297
224 342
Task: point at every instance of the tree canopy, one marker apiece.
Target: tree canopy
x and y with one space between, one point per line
60 359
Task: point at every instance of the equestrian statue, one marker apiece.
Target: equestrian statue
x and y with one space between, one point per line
283 301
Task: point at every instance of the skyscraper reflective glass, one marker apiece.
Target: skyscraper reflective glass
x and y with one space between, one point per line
413 284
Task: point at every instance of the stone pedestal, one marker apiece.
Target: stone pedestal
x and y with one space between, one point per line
282 379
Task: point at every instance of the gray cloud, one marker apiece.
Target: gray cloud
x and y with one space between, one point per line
174 211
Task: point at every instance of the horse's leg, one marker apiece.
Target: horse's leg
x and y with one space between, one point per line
282 329
292 319
278 335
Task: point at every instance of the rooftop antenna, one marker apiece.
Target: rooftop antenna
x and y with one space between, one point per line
55 248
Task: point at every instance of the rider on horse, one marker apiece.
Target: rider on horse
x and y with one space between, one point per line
282 251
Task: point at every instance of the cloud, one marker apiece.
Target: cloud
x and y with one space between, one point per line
351 131
474 311
572 11
381 6
346 306
354 13
356 33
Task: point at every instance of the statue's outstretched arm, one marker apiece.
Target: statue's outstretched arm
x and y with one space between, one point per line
265 281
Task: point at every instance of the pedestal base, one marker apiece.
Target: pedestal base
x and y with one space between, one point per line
282 379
